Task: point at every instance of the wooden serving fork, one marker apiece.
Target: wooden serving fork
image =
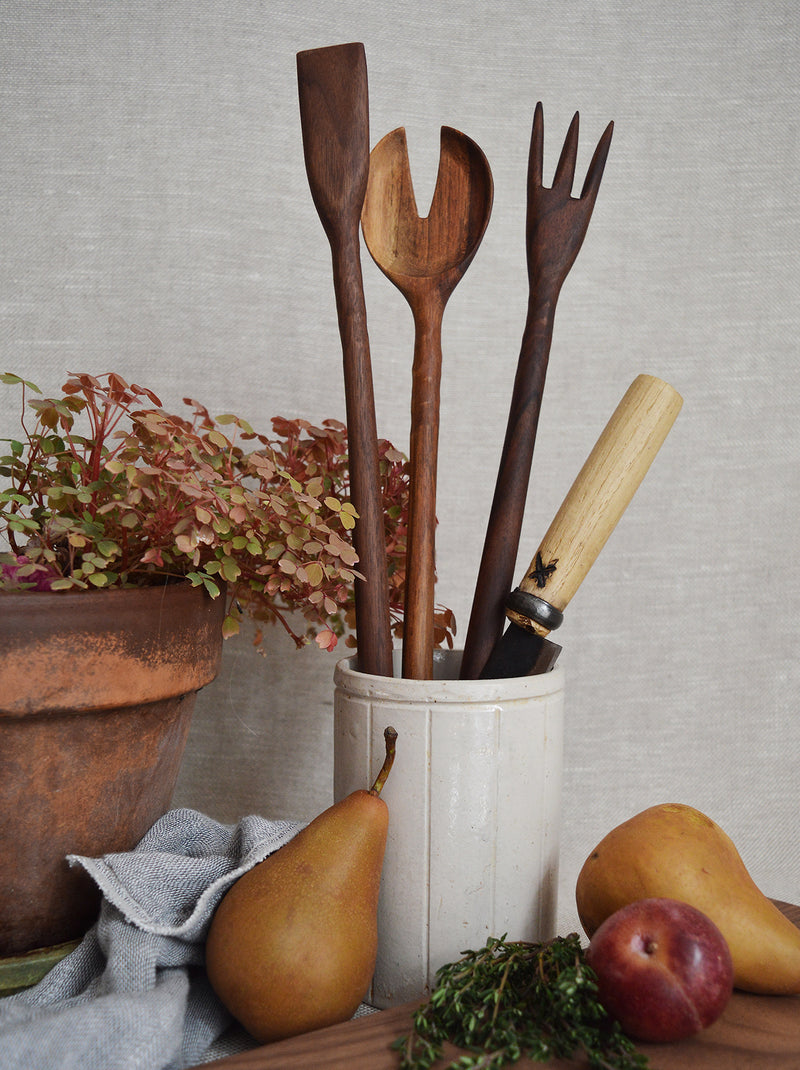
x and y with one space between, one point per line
555 228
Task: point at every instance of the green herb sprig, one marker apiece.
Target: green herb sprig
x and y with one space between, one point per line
516 999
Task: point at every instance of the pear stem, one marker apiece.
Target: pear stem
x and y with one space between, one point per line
390 735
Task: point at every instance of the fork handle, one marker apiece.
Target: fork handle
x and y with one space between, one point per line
499 556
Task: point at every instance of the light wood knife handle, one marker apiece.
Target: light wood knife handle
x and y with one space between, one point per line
599 496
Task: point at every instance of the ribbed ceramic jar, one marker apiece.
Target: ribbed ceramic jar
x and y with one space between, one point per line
474 800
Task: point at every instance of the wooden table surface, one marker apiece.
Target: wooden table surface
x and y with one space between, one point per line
754 1033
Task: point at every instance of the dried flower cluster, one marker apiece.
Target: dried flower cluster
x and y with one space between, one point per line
106 489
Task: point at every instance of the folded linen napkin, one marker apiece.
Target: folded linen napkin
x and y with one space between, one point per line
134 995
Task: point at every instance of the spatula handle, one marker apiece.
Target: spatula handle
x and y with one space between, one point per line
334 115
600 494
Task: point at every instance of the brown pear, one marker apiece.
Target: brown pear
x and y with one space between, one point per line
292 944
677 852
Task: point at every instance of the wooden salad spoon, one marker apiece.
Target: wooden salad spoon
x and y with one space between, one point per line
425 258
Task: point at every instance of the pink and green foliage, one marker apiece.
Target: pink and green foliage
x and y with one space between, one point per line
106 489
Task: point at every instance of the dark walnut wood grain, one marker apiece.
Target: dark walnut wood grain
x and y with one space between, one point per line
334 116
556 225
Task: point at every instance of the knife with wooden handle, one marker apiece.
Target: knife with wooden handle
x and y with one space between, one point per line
589 513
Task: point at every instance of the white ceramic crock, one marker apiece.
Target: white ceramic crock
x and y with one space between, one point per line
475 803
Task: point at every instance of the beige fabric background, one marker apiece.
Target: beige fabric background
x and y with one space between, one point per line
157 221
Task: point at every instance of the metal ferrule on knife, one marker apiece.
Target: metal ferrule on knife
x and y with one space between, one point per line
532 613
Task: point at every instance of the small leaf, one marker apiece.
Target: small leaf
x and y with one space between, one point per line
202 579
64 584
314 573
14 380
216 438
326 639
229 570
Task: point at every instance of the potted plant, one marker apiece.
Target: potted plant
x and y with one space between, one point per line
132 540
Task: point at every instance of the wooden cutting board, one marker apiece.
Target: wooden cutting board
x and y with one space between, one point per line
754 1033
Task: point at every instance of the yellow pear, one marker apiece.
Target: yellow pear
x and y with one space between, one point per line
673 850
292 944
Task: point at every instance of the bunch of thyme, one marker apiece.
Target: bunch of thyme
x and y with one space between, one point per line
513 1000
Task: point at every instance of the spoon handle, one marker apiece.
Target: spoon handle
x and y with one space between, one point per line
418 629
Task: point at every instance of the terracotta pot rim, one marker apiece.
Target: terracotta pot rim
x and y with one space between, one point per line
67 651
144 590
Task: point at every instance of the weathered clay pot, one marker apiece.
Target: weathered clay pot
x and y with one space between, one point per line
97 691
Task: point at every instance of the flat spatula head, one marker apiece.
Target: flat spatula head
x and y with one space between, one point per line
334 117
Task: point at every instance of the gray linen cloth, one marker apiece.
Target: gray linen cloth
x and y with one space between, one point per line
134 995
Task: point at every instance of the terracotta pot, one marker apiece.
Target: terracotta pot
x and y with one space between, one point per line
97 691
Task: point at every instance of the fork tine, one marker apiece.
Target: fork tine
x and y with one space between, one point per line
565 169
536 155
592 182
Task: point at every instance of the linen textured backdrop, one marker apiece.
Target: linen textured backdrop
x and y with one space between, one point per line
158 222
